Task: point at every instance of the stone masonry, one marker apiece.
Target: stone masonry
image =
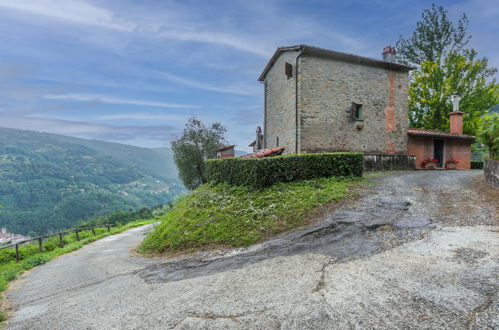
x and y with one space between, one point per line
327 82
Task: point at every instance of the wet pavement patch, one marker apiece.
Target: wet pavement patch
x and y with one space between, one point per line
346 234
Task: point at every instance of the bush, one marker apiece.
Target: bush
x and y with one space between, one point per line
264 172
476 165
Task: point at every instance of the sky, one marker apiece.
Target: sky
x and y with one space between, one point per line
134 71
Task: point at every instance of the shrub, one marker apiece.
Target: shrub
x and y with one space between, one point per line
488 134
264 172
476 165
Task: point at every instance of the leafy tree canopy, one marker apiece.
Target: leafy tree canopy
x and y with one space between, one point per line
434 38
443 67
432 86
488 134
197 143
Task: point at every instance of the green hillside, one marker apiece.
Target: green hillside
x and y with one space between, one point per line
50 182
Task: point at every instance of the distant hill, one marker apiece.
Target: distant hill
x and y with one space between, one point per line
51 182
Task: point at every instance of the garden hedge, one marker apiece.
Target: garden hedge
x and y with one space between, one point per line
264 172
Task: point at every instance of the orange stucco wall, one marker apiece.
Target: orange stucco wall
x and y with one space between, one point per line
422 148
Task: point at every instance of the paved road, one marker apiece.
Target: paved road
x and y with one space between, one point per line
420 251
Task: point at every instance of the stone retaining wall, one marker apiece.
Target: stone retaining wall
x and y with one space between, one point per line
491 171
381 162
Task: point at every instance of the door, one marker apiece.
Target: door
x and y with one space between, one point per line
438 152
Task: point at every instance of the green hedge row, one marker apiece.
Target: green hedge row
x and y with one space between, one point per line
476 165
264 172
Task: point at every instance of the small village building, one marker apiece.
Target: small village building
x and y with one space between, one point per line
443 146
225 152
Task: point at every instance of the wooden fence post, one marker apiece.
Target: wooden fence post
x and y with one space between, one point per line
61 242
77 237
17 253
40 245
93 231
108 228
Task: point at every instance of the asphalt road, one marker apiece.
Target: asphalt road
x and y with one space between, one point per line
421 250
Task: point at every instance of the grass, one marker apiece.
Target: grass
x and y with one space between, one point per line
31 257
225 215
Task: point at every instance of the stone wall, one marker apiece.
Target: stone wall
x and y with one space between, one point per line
386 162
491 171
327 89
280 105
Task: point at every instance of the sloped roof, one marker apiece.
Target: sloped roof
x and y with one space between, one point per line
265 153
433 133
226 147
311 50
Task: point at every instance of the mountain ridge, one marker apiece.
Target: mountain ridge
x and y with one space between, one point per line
50 182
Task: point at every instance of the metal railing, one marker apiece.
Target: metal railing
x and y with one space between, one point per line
60 234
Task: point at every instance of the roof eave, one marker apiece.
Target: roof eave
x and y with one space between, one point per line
333 54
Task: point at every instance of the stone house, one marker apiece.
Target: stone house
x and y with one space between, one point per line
319 100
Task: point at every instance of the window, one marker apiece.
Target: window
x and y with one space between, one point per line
277 141
357 111
288 69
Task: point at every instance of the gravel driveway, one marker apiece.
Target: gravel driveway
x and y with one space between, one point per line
420 250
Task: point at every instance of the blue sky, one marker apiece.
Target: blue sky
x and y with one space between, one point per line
135 71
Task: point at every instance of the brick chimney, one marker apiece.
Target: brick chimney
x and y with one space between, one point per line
456 122
258 139
389 54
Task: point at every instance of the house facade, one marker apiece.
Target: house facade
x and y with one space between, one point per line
443 146
318 100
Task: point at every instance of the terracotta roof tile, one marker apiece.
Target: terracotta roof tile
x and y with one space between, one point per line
265 153
428 132
225 147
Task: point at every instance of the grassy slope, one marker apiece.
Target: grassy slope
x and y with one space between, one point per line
10 269
240 216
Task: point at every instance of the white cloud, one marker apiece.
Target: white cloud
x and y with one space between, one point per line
115 100
240 90
74 11
144 116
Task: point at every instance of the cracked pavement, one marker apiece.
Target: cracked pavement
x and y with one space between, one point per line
420 250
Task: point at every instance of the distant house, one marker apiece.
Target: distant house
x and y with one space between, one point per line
225 152
319 100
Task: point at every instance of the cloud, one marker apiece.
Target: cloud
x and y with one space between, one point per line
239 90
90 130
81 12
144 116
115 100
72 11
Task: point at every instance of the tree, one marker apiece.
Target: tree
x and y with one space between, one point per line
443 67
197 144
488 134
432 85
435 37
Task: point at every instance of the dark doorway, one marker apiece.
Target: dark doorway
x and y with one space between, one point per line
438 152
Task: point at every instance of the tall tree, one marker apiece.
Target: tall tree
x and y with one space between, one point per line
443 67
197 144
434 38
432 85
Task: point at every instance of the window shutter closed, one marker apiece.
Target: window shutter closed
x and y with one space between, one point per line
288 68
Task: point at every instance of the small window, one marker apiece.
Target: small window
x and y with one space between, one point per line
288 68
277 141
357 111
